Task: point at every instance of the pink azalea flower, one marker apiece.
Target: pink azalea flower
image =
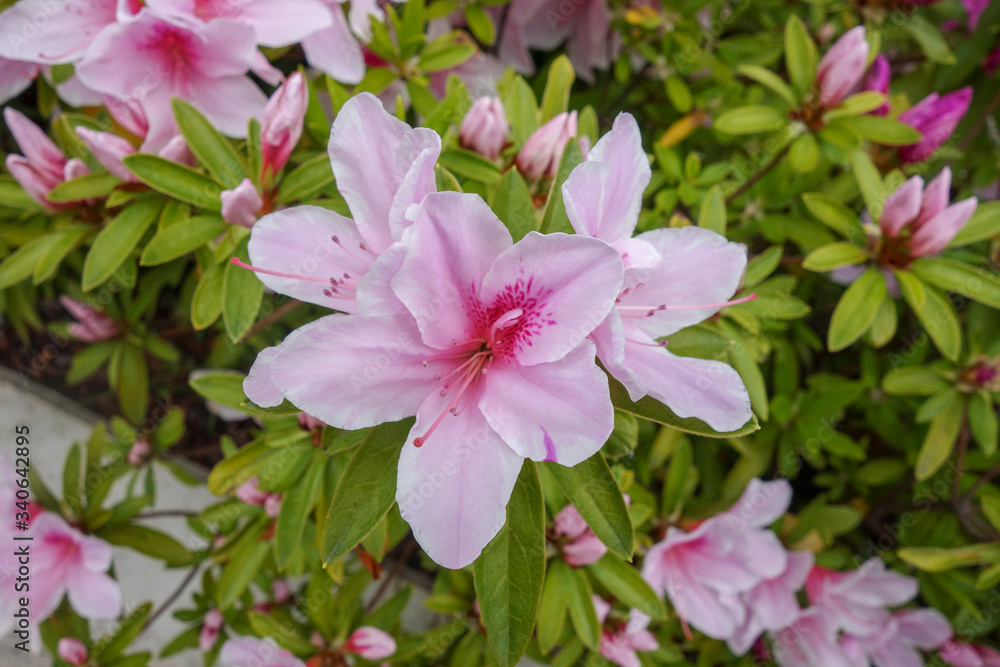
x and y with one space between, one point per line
674 278
484 128
990 63
857 599
899 640
581 546
210 630
43 166
383 167
275 23
710 572
241 205
251 493
15 77
251 651
935 118
68 28
960 654
109 149
371 643
842 67
281 591
92 325
772 604
334 49
621 642
153 58
139 453
811 641
272 505
72 650
543 150
281 126
877 79
488 350
74 563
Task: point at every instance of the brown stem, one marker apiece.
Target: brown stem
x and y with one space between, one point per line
397 567
173 597
963 446
280 312
159 514
752 181
980 122
984 479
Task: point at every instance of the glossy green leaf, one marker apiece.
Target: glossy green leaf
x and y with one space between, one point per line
114 243
750 119
941 437
934 312
856 309
212 149
182 238
978 284
176 180
834 256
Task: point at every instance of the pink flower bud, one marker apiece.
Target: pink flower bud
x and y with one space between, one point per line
250 493
281 125
36 146
877 79
72 651
176 150
109 149
842 67
316 639
543 150
280 591
309 423
210 630
75 168
92 325
935 118
584 550
139 453
484 128
37 184
241 205
371 643
272 505
129 115
960 654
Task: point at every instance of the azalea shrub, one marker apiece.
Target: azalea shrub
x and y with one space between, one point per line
585 332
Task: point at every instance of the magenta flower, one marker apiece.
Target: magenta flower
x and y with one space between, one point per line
370 643
210 630
621 641
960 654
43 166
899 640
383 167
92 326
705 572
241 205
247 651
484 128
674 278
811 641
578 544
488 350
842 68
15 77
66 30
153 58
857 599
877 79
935 118
281 126
74 564
771 605
543 150
72 650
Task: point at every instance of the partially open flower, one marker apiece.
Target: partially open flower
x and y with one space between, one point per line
842 67
543 150
241 205
371 643
484 128
139 453
210 630
578 543
72 650
92 325
281 125
935 118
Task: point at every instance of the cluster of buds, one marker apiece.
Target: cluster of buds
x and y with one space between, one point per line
251 493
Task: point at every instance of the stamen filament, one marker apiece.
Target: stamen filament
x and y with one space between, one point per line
243 265
651 310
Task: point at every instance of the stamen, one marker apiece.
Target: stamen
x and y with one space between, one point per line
236 262
364 260
450 408
662 343
651 310
504 320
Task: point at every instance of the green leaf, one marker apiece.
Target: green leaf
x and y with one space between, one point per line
856 105
801 59
884 130
182 238
522 110
266 625
212 149
768 78
713 211
976 283
554 219
206 303
242 295
133 383
577 590
804 154
983 422
761 266
296 505
512 204
176 180
114 243
941 437
934 312
223 387
240 571
14 196
626 584
551 613
930 39
90 186
834 256
481 24
984 224
653 410
510 571
835 215
445 180
886 320
306 180
147 541
912 381
751 120
73 479
57 246
558 84
366 490
112 646
937 559
592 489
446 57
470 165
856 309
869 182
